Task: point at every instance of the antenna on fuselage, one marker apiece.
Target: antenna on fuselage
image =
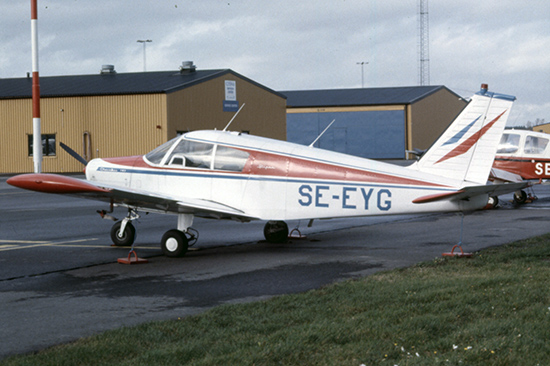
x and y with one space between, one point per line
234 117
325 130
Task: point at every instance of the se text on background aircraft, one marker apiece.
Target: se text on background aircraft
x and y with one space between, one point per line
228 175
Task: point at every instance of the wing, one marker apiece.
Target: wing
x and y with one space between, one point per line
472 191
145 200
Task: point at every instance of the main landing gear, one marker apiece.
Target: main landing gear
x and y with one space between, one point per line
174 242
276 231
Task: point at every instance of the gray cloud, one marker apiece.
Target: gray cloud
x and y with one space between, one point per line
289 45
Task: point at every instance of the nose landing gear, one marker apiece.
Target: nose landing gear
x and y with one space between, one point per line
123 233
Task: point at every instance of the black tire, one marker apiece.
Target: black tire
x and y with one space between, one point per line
128 236
174 243
520 197
493 201
276 231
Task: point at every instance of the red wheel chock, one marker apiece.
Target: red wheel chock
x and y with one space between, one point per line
130 260
459 255
296 234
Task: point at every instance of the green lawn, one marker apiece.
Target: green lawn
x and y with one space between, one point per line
493 309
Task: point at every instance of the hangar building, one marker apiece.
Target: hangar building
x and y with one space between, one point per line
111 114
378 123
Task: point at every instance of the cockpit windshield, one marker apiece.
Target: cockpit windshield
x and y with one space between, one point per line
179 153
156 155
191 154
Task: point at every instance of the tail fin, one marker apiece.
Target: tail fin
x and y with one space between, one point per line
466 150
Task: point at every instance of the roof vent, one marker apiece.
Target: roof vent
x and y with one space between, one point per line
107 69
187 67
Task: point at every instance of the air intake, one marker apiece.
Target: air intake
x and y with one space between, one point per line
187 67
107 69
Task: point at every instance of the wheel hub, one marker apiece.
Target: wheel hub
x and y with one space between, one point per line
171 244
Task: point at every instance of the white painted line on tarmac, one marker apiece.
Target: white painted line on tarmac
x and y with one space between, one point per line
20 244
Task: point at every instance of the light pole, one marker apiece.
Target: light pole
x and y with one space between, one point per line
362 63
144 41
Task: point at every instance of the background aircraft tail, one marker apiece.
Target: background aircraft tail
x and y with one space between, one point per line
466 150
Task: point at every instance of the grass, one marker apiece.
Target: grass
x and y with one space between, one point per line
493 309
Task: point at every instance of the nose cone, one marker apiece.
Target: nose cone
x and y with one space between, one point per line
112 165
92 168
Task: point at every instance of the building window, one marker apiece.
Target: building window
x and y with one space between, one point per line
48 144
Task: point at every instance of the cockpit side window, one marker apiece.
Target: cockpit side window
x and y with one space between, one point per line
509 143
535 145
230 159
191 154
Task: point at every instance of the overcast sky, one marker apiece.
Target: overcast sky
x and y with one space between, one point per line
296 45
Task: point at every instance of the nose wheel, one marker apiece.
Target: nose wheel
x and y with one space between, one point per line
122 237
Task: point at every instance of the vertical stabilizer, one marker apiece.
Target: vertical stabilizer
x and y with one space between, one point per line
466 150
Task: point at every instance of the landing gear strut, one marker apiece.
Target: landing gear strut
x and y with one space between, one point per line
123 233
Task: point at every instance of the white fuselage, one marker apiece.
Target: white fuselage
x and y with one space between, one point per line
282 181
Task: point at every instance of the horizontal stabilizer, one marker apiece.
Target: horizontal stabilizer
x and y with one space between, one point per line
504 176
473 191
436 197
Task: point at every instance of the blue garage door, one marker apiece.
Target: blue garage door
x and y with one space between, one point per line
370 134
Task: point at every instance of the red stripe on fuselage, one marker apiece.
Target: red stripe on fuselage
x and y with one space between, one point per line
274 165
131 161
525 167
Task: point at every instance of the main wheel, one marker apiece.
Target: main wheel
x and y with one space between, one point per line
520 197
276 231
123 239
174 243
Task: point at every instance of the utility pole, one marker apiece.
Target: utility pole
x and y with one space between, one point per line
362 63
144 41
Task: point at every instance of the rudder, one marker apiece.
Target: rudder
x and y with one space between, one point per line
467 148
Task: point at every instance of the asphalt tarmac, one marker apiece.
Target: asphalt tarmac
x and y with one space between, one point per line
60 281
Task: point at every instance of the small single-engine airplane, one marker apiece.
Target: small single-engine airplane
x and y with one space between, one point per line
228 175
522 155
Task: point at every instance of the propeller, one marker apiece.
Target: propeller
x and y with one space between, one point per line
73 153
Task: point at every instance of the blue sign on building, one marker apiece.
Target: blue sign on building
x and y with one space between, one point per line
230 105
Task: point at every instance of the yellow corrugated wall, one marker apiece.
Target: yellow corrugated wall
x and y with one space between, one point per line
117 125
122 125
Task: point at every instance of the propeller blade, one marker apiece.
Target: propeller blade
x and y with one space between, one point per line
73 153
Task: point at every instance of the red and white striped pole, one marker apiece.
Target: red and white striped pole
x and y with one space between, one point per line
37 134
